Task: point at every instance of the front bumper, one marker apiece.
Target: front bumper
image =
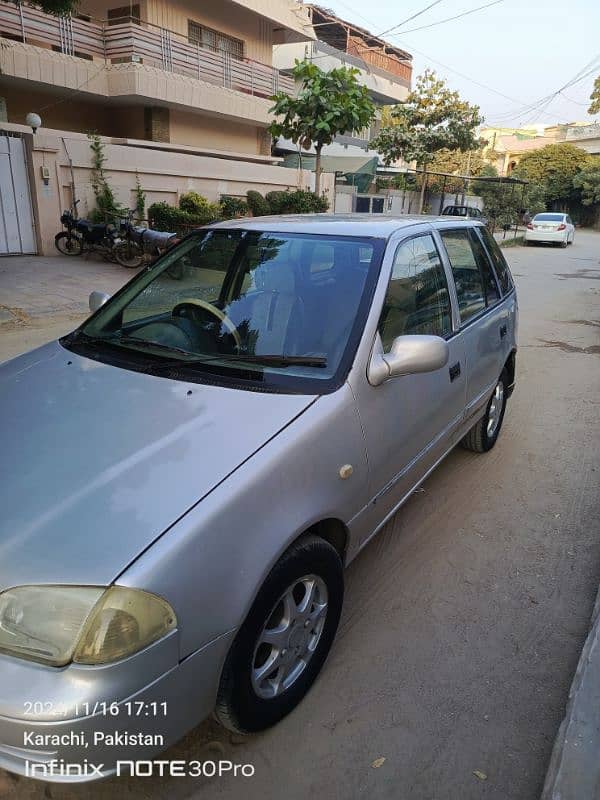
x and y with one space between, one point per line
545 236
99 715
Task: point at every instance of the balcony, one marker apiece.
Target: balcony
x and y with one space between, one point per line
139 43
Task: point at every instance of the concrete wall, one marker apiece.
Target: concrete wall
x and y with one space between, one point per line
188 128
163 173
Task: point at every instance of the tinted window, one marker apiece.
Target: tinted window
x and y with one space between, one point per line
467 276
492 295
417 299
500 265
548 218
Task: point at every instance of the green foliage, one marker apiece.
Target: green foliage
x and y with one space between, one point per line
257 204
140 199
595 98
232 207
405 180
199 207
328 104
502 201
453 162
587 182
431 119
298 202
107 208
553 168
194 210
57 8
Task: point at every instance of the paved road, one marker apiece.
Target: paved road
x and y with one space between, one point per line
464 619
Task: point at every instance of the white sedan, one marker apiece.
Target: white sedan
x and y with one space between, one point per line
551 227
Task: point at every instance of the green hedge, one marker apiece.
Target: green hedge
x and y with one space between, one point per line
257 204
195 210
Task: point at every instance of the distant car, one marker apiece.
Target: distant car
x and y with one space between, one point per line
550 227
468 212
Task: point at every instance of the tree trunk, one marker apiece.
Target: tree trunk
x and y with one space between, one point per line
318 149
423 187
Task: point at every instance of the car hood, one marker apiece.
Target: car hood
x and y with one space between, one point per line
98 461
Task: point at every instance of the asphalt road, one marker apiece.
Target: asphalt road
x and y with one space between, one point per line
464 618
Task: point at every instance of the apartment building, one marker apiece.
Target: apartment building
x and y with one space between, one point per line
386 71
178 72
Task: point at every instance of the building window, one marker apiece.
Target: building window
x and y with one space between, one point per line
117 16
213 40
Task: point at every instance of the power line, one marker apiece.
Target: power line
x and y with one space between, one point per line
449 19
409 19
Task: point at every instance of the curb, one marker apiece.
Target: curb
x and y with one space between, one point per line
574 769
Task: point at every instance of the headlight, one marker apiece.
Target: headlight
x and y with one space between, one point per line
85 624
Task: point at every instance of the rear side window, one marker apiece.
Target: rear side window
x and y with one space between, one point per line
475 283
500 265
417 299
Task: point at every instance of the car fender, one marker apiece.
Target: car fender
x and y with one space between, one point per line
212 562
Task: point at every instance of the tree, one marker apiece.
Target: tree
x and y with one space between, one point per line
588 183
57 7
432 118
595 98
454 162
504 200
553 168
328 103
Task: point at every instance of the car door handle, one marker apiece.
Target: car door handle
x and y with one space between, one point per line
503 331
454 371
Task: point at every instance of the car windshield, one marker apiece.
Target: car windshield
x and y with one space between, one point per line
281 309
549 218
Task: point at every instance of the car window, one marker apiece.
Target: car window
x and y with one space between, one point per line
500 265
224 295
417 300
548 217
466 272
490 285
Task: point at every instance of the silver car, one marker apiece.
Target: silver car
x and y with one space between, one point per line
186 475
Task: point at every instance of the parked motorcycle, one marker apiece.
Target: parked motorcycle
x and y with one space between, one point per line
81 236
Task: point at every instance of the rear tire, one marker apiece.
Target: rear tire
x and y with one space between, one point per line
278 634
564 244
129 254
484 434
68 244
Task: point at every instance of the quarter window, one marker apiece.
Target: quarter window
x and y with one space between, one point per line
475 282
417 299
500 265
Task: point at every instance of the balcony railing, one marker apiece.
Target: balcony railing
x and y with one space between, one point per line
139 42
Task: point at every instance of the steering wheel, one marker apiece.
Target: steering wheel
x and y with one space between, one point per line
216 312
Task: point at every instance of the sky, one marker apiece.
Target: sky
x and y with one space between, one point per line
503 58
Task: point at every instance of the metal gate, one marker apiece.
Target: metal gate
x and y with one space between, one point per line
16 218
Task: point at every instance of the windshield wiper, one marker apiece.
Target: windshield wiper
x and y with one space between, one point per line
279 360
271 360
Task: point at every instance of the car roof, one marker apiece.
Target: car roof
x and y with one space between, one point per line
370 225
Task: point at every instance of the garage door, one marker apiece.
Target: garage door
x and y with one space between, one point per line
16 219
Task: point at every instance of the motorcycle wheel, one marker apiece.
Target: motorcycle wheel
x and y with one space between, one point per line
68 244
129 254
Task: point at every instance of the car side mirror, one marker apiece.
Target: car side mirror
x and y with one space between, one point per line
97 299
408 355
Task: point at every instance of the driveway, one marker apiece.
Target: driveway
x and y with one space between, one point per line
464 619
43 297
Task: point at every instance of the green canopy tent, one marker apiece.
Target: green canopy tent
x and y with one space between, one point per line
358 171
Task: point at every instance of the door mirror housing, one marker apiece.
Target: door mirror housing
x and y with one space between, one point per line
97 299
407 356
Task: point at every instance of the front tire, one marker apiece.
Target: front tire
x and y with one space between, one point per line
129 254
284 641
68 244
484 434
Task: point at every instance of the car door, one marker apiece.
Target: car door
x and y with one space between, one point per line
409 421
483 319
